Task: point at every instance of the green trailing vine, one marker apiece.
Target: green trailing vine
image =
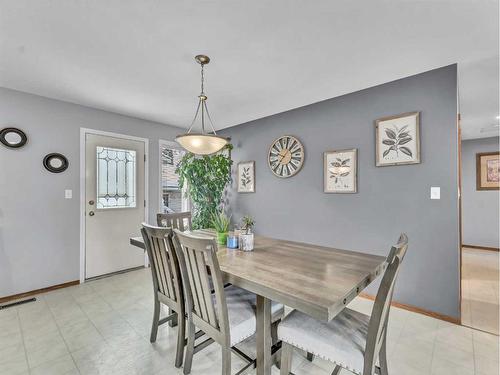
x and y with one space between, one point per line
206 178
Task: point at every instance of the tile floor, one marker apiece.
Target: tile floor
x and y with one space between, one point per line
480 299
102 327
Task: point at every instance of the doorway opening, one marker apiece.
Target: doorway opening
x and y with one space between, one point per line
480 256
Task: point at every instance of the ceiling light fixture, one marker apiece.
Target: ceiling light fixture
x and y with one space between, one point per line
202 143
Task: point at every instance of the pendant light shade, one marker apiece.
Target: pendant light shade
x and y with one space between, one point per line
202 143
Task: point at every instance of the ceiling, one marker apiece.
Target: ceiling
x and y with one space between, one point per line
135 57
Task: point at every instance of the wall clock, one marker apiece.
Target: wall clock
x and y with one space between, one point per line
286 156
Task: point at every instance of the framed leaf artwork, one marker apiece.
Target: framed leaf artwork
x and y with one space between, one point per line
246 177
340 171
397 140
488 171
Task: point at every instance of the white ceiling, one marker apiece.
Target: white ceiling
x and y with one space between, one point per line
136 57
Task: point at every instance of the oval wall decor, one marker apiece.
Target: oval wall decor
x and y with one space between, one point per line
13 137
55 163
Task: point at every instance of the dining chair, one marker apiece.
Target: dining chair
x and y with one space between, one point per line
167 286
352 340
178 220
226 315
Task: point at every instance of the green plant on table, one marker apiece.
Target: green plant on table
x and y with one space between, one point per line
247 223
221 222
205 178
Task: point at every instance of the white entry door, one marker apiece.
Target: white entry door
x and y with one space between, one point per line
114 203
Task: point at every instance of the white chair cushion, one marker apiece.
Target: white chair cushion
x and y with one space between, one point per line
341 341
241 305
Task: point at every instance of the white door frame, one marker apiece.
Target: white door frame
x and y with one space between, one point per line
83 133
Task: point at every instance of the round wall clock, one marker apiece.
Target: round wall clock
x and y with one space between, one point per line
286 156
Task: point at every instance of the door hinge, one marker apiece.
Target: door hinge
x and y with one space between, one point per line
144 157
144 203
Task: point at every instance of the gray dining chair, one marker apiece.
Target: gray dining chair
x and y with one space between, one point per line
352 340
225 315
179 220
167 285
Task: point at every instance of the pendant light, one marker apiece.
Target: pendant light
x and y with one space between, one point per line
202 143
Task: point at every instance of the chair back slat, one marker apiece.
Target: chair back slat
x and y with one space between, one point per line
181 220
197 258
377 329
194 280
163 261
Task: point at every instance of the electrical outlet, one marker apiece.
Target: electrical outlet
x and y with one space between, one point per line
68 193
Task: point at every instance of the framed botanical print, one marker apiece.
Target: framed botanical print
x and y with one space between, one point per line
340 171
488 171
246 177
397 140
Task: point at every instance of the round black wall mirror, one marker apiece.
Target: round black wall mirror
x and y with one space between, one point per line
13 137
55 163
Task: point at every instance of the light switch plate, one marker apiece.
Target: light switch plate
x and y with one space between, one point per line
435 192
68 194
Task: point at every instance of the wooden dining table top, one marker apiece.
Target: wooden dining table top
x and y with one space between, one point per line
317 280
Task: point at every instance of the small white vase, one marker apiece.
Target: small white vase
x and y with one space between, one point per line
246 242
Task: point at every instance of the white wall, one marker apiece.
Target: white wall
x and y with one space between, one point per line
480 210
39 229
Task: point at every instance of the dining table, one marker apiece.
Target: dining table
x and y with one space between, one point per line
317 280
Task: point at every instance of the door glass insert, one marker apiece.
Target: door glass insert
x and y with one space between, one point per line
116 178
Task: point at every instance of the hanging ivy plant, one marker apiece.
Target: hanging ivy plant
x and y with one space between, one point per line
206 178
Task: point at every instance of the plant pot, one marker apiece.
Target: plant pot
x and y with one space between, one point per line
221 238
246 242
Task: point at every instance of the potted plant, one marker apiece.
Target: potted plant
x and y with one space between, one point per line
205 179
246 235
221 224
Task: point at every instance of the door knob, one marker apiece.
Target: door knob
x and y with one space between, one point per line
91 203
91 213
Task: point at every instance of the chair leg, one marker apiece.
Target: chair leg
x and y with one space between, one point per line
286 358
174 321
274 331
188 361
274 340
156 320
181 333
382 357
226 361
310 357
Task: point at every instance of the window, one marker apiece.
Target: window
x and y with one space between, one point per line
171 196
116 178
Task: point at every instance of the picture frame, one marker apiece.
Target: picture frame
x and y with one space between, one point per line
488 171
246 177
340 169
397 140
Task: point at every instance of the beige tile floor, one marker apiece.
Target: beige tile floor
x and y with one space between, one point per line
102 327
480 299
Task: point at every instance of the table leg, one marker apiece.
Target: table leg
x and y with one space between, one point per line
263 336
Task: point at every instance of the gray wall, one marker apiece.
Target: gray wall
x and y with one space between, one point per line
480 216
39 229
390 199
